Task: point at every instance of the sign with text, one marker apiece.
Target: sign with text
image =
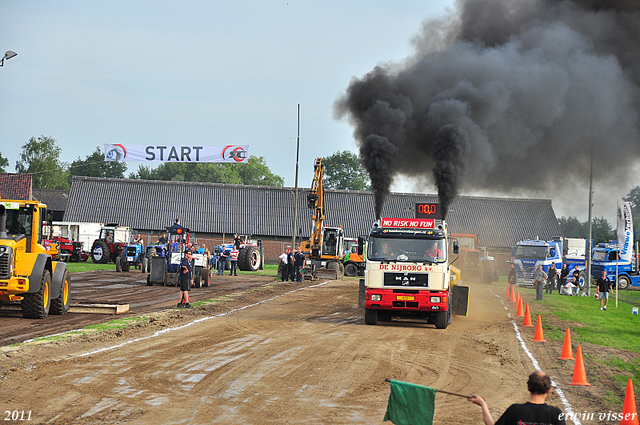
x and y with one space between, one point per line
430 210
413 223
235 154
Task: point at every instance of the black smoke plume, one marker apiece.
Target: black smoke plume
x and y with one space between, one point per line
525 86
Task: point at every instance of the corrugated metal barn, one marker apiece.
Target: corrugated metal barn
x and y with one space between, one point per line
215 210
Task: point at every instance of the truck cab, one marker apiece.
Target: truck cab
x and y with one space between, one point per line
605 257
407 272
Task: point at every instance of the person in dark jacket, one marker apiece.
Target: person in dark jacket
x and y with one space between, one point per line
298 261
552 274
564 272
511 280
185 280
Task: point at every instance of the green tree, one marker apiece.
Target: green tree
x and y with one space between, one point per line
342 170
601 230
573 228
254 172
41 157
94 165
4 162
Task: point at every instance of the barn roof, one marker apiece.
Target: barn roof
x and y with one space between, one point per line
15 186
265 211
54 199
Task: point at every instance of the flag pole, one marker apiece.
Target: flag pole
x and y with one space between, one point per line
442 391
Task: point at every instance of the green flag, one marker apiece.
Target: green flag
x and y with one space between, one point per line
410 404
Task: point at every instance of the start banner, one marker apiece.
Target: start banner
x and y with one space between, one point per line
177 153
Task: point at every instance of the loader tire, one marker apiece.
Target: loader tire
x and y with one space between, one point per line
100 252
37 305
60 305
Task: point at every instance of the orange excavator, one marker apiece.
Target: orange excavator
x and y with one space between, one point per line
325 248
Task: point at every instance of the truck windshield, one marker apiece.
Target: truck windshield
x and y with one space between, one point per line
599 256
531 252
19 222
407 250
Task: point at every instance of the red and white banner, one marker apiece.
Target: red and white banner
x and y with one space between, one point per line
412 223
235 154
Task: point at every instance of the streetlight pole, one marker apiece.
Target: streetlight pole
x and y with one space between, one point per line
8 55
295 205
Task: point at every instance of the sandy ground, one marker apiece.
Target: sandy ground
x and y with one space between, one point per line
282 354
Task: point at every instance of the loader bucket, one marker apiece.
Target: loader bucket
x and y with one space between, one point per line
322 273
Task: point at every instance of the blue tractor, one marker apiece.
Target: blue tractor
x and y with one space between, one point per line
132 255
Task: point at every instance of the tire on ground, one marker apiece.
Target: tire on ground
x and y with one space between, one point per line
249 259
442 320
370 316
145 265
487 271
37 305
60 305
149 283
623 282
100 252
350 270
205 277
125 264
119 264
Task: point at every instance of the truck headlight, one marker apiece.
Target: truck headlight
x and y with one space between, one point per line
376 297
435 300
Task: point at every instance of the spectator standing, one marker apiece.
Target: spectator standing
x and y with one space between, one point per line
237 241
222 261
185 280
538 281
298 260
535 411
604 287
551 279
511 280
233 258
564 272
283 265
290 265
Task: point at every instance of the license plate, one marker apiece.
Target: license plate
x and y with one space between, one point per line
404 298
129 258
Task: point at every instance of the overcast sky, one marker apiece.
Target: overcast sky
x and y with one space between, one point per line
205 72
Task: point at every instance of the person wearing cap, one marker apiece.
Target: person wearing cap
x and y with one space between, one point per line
185 280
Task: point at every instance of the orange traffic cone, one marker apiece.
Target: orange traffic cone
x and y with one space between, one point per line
567 352
629 413
579 375
517 298
539 336
527 318
512 299
519 312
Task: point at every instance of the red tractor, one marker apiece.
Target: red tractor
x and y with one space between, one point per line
111 243
69 250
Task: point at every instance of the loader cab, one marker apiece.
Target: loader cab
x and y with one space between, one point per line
332 242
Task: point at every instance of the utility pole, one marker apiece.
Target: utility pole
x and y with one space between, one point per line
590 240
295 205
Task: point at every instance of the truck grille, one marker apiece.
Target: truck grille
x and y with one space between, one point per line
6 253
406 279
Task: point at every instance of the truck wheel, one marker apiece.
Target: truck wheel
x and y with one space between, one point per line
350 270
442 320
60 305
119 264
36 306
582 279
249 259
100 252
623 282
370 316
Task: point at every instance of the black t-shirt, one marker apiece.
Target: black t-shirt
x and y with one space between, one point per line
185 275
552 272
604 285
531 414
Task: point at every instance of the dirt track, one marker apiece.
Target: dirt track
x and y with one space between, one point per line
281 354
